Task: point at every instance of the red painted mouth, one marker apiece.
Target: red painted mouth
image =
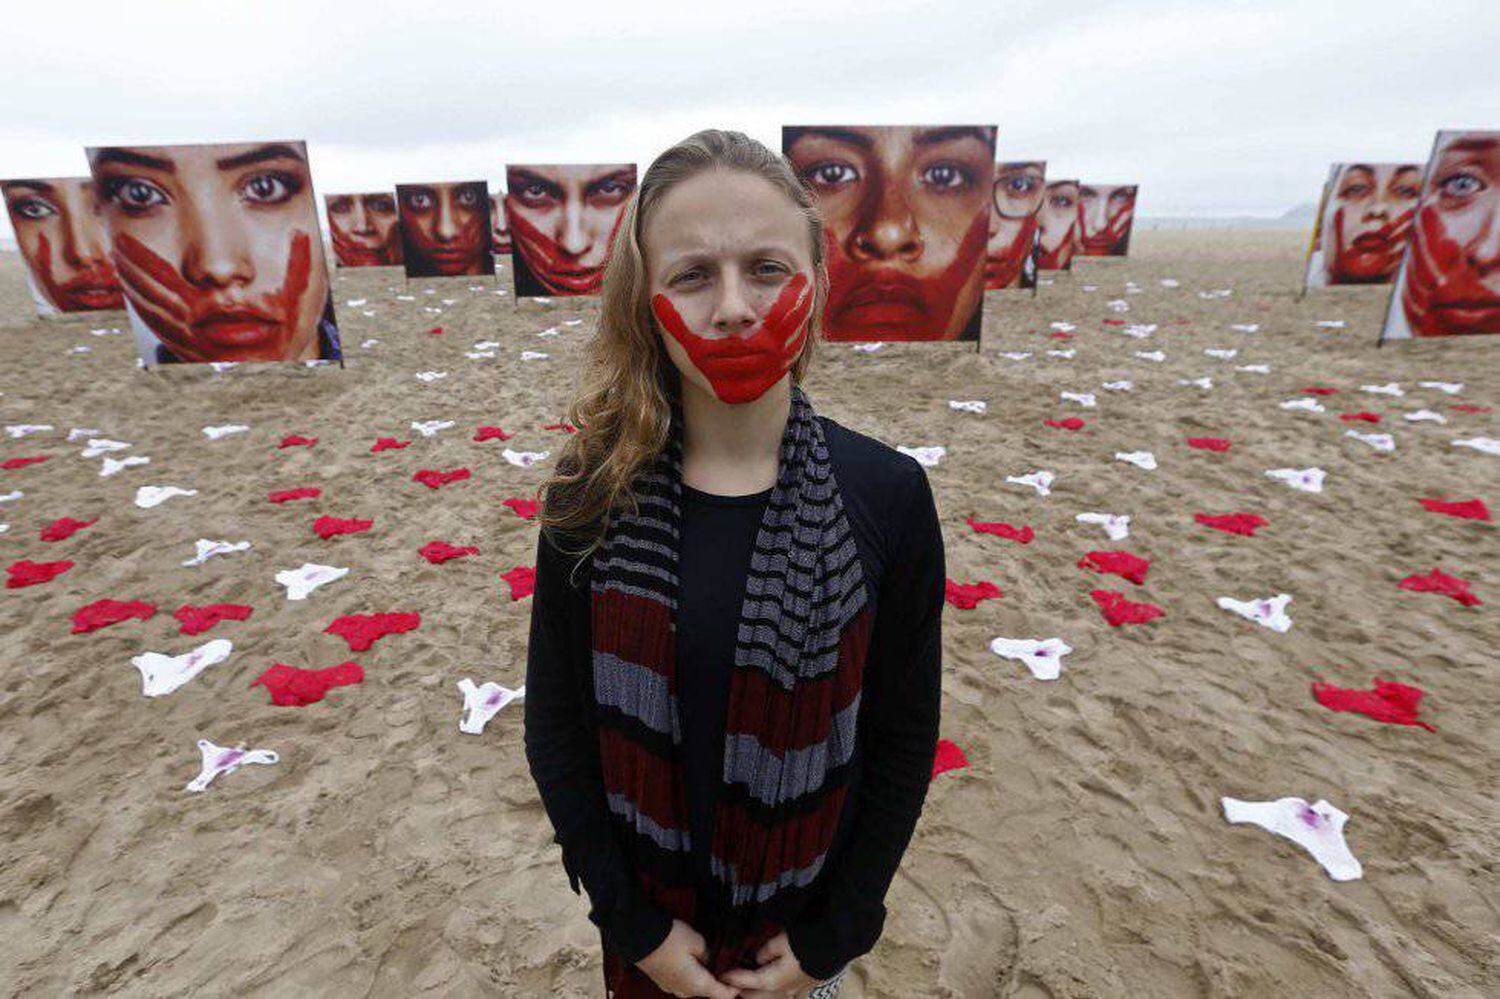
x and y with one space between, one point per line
580 281
882 300
237 327
1371 242
92 290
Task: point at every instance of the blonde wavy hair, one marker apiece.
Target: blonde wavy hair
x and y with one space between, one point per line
623 409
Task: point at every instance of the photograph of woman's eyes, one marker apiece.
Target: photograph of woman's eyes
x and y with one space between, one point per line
1449 283
907 217
561 220
57 229
218 250
364 230
1363 224
445 229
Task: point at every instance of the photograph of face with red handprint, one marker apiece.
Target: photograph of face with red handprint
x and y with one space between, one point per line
56 222
1449 281
218 251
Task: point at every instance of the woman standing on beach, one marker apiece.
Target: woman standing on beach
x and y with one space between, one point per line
733 679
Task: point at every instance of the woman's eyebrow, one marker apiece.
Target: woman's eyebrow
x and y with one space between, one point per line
129 157
932 136
624 175
527 177
260 154
39 186
846 135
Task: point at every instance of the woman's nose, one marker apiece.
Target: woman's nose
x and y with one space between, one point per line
733 312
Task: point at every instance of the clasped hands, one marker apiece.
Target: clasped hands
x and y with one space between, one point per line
676 966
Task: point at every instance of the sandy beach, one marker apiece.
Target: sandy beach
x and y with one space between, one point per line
1082 852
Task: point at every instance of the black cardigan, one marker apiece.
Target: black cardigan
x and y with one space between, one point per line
891 511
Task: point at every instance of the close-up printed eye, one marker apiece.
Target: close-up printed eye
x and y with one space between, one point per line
33 209
272 187
134 194
831 175
948 176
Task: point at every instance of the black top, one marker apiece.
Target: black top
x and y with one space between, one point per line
891 512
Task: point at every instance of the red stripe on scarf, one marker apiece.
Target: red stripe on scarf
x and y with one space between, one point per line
761 707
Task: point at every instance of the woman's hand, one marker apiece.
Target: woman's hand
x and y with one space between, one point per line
780 974
676 966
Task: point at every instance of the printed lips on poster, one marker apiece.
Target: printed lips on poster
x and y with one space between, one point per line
1010 261
1058 224
1105 215
56 221
562 219
445 228
365 229
907 212
218 251
1363 222
1449 282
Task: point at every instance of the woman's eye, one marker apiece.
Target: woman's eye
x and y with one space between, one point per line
1356 190
468 198
831 175
1461 185
135 195
383 205
1021 185
1408 193
687 278
770 269
419 202
945 175
1120 196
33 209
269 188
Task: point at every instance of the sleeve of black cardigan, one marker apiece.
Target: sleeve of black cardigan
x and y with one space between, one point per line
904 683
563 755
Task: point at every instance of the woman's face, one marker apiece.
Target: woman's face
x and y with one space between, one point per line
1019 188
57 230
499 227
731 277
214 245
1452 281
445 228
365 228
1368 222
908 218
1105 212
1058 219
563 218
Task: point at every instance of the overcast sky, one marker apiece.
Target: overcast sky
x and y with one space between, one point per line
1213 107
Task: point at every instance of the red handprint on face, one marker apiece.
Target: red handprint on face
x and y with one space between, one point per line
741 369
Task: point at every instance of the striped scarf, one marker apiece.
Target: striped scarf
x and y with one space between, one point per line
793 699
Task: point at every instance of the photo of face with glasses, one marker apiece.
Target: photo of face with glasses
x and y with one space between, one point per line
1010 257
